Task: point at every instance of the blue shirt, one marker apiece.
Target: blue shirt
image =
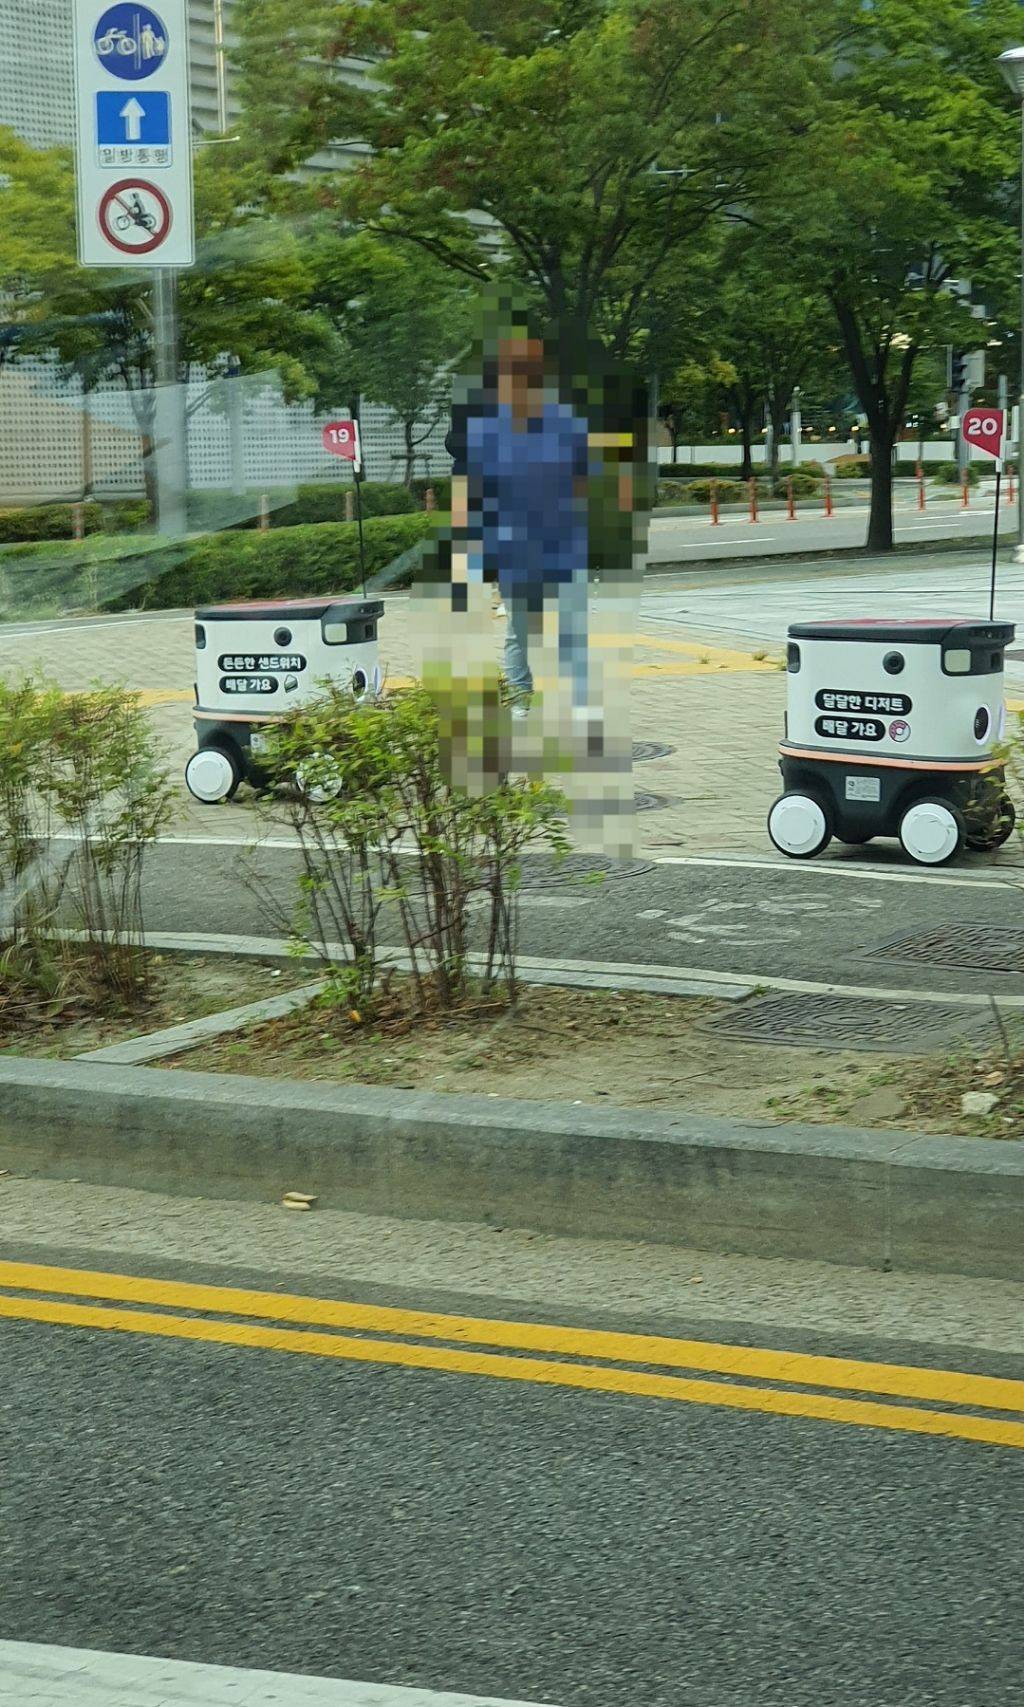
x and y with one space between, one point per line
531 526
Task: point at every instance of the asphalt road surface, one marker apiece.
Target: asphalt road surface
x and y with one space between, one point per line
550 1517
756 607
692 538
820 922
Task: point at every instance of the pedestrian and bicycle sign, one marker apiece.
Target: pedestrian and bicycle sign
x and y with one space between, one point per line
130 41
134 155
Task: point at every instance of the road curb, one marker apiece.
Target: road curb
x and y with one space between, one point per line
838 1194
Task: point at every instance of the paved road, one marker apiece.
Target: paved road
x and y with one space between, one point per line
544 1514
762 921
675 538
756 609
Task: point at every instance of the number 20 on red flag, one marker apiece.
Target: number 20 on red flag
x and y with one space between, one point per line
983 428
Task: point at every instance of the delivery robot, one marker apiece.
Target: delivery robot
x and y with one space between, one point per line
893 729
256 662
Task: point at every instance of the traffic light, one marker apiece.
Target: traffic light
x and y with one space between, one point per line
957 370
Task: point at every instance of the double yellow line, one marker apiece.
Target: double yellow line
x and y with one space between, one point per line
773 1382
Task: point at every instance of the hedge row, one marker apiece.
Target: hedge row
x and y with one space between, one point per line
218 511
152 575
57 521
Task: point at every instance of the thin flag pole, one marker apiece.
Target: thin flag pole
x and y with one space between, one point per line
995 544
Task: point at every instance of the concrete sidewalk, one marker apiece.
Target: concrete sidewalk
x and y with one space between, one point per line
719 709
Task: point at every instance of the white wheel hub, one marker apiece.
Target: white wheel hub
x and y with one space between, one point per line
209 775
797 825
929 832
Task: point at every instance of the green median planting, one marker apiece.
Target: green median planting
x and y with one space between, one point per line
140 572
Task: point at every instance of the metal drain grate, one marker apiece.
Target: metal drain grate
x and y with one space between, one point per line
650 750
540 872
967 946
849 1022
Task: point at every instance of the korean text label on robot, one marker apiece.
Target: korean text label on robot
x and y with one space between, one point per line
261 661
248 684
850 728
847 699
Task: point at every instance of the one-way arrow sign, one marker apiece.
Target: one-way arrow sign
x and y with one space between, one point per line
140 121
133 112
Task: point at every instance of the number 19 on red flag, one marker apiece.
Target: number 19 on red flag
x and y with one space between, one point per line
984 428
341 438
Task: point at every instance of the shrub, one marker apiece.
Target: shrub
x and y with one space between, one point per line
673 492
395 830
802 483
156 575
57 521
851 468
729 491
949 474
84 764
322 501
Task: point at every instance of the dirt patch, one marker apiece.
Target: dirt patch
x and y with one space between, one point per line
183 988
579 1046
924 1095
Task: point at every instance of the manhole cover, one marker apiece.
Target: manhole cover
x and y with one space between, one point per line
540 872
650 750
848 1022
644 802
979 946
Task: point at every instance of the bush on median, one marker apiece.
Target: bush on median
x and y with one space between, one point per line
57 521
151 574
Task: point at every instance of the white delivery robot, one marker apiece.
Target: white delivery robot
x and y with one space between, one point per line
255 662
892 729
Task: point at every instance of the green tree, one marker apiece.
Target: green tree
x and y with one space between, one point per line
900 180
400 321
245 307
574 143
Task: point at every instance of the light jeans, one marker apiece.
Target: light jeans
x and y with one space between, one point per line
526 624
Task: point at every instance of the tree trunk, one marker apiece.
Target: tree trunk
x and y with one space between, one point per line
747 430
778 420
410 454
880 535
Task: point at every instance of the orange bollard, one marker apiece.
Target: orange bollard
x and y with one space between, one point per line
965 494
713 492
829 511
78 521
752 485
1011 490
920 490
429 500
790 505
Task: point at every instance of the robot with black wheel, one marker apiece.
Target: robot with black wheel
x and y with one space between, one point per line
893 728
255 662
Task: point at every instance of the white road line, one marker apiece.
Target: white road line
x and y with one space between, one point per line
36 1675
84 622
826 868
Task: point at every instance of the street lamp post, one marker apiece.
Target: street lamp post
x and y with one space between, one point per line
1011 64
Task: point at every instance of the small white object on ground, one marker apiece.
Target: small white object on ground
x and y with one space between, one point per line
978 1102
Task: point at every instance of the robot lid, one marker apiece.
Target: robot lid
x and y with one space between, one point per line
291 610
912 631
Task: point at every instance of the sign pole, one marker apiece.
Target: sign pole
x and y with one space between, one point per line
995 544
357 475
985 430
169 416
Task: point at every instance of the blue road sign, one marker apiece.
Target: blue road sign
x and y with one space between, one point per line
130 41
123 118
